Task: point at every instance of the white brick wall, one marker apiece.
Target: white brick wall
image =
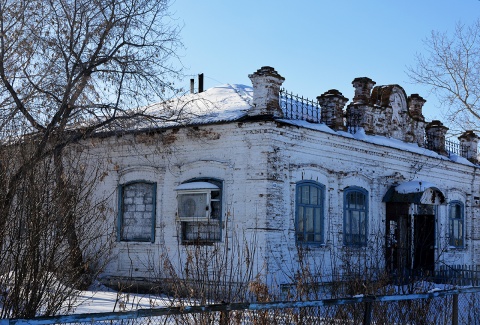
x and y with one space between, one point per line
260 163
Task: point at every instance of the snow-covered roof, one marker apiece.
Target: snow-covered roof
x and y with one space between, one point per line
222 103
231 102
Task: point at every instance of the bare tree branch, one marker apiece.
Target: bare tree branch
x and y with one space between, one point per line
451 67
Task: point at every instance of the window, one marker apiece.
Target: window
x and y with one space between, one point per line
456 224
136 212
309 213
200 210
355 216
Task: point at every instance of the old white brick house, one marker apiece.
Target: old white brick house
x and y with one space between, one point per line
372 182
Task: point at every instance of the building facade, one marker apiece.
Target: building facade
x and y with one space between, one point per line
288 186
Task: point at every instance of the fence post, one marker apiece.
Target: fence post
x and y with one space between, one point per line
224 317
455 310
367 317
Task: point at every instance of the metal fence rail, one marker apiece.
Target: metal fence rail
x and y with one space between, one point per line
455 148
371 307
462 275
295 107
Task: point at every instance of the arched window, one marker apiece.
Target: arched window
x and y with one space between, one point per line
200 210
456 224
355 216
309 206
136 211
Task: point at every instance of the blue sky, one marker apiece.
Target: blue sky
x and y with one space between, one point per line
315 45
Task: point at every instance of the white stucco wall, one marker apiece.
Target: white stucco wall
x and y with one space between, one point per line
260 163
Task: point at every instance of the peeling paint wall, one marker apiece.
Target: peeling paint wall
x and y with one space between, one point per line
260 164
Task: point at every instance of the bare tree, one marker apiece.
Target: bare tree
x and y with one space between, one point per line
37 276
68 69
451 67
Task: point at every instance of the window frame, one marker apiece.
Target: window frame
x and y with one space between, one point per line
452 220
347 214
208 220
299 205
120 215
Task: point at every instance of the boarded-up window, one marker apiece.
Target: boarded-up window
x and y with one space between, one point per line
136 220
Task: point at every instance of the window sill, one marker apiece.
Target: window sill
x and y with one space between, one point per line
310 245
354 246
200 242
134 241
457 248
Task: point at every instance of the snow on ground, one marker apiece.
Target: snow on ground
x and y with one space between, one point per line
101 299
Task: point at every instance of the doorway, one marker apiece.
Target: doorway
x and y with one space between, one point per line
410 239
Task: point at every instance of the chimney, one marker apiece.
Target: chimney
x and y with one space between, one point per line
200 83
469 146
266 92
415 105
435 132
363 86
332 103
192 86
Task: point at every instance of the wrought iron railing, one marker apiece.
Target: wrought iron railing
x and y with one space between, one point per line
455 148
451 147
353 121
295 107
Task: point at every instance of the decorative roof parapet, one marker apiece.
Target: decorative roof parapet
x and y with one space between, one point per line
363 87
332 103
469 142
266 92
435 132
359 112
415 105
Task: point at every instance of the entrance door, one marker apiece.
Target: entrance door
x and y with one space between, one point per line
410 241
398 238
424 243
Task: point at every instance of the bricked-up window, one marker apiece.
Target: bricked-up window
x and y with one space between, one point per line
456 224
355 216
136 212
309 213
200 211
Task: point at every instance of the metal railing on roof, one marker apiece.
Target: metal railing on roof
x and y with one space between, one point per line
451 147
295 107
